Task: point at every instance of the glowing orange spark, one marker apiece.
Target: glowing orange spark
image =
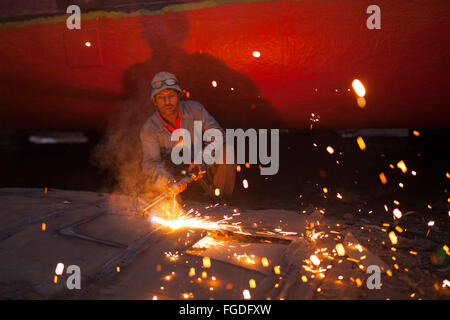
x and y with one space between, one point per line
206 262
59 268
314 260
393 237
195 222
397 213
402 166
340 249
361 143
359 88
277 269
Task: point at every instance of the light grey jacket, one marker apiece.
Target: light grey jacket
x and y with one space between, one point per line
155 137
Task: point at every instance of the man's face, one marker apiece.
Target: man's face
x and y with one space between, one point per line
167 102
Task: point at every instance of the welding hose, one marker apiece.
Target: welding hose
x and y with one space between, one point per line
173 189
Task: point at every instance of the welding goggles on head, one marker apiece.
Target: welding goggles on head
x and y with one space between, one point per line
168 82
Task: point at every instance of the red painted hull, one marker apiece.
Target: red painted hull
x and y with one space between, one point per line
48 80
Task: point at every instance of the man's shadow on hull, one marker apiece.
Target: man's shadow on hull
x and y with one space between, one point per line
240 107
235 102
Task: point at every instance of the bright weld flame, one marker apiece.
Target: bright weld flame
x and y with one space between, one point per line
256 54
197 222
359 88
264 262
252 283
246 294
59 269
217 192
330 150
361 143
245 183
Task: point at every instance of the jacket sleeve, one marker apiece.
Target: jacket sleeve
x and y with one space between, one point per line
151 157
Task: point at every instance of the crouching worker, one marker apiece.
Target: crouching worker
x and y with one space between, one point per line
157 145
